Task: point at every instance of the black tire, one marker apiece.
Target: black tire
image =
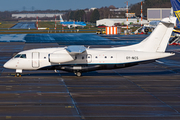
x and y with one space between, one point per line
18 75
78 74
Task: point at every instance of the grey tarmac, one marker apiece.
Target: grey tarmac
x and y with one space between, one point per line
147 91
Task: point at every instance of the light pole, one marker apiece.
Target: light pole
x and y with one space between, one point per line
141 12
127 16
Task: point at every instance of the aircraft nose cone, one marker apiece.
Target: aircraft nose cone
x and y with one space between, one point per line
7 65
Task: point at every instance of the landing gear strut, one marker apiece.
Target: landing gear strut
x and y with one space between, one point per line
18 73
78 74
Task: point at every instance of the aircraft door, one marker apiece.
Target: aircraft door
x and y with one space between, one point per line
89 58
35 59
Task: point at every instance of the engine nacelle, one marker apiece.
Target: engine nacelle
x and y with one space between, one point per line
60 57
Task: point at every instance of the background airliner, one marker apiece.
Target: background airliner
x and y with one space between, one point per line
176 10
72 24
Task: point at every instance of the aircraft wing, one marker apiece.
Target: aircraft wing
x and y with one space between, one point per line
75 49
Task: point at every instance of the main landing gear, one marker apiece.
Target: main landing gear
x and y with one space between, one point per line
78 74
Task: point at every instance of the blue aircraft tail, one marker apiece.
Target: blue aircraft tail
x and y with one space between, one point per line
176 8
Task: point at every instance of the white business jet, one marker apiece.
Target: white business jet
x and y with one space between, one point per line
79 59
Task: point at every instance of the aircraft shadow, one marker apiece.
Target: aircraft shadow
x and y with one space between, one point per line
95 73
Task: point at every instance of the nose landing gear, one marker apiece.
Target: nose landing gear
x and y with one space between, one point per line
18 75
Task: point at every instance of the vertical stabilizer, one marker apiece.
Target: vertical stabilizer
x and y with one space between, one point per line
176 8
158 40
61 20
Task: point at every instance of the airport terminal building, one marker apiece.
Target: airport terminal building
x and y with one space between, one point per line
35 15
112 22
154 14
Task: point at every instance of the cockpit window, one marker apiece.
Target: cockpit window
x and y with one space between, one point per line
23 56
17 56
20 56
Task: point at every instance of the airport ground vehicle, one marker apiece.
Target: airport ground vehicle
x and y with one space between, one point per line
100 31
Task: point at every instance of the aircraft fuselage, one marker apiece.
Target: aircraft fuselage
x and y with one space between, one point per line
91 59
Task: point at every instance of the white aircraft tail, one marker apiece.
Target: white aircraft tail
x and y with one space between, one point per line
158 40
61 20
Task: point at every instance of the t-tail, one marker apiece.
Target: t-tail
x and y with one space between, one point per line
61 20
159 38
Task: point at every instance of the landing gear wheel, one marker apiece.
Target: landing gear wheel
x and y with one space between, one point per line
78 74
18 75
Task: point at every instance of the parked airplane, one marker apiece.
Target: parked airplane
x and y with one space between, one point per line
147 28
176 10
72 24
79 59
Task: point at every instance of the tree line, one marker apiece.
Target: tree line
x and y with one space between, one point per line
87 15
83 15
104 12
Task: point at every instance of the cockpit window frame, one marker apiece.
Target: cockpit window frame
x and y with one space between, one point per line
17 56
20 56
23 56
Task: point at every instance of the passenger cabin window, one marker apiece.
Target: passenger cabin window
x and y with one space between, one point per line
111 56
96 57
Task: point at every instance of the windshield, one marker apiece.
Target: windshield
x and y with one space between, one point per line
23 56
20 56
17 56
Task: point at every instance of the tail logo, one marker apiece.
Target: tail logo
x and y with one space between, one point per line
177 13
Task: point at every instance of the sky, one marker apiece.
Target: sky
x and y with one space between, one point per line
11 5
